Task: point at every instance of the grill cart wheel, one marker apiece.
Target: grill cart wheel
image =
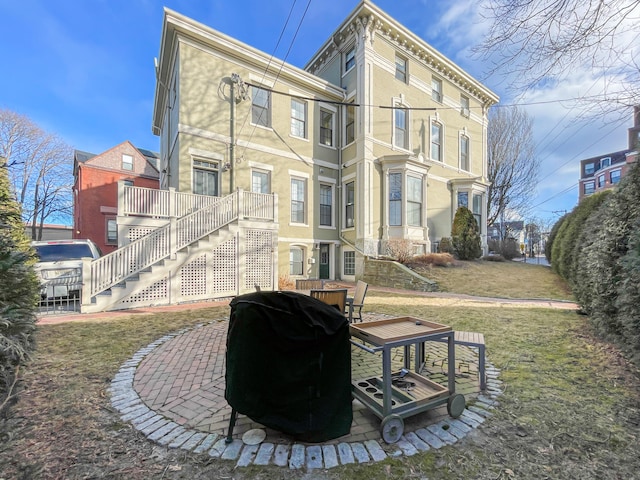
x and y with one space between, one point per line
392 428
455 405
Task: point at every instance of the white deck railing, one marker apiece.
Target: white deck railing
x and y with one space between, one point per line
151 202
165 241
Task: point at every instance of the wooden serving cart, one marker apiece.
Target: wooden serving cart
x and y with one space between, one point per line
399 395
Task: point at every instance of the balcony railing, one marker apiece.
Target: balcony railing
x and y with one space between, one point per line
151 202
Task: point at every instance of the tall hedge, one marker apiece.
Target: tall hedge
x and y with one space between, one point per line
465 235
18 292
566 247
548 246
605 243
628 301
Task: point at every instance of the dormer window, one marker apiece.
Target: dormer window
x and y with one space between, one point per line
605 162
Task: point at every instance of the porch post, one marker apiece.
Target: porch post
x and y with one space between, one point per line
172 202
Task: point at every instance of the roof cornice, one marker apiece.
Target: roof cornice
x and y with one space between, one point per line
177 27
367 20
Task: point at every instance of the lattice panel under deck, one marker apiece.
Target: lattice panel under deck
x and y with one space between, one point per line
193 278
135 233
259 259
224 264
151 295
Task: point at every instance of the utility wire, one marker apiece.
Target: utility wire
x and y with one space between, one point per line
615 127
334 102
568 189
279 71
270 59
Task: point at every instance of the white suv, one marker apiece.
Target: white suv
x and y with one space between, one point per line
59 266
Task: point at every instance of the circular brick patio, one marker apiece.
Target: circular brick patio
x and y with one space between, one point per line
173 392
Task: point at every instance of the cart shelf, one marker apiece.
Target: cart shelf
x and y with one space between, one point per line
386 400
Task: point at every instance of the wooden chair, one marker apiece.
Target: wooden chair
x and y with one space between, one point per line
355 303
337 298
309 284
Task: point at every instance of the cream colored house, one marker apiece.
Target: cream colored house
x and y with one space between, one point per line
378 138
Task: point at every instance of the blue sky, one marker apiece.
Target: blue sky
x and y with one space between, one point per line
84 70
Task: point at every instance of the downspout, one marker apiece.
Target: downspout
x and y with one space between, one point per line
340 168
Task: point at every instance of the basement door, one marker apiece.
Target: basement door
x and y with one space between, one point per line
324 270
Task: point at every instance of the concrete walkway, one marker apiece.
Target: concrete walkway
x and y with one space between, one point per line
415 297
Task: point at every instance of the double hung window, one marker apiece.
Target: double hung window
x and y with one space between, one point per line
260 107
464 106
326 128
477 209
350 59
395 199
260 181
326 205
589 187
615 176
349 127
205 177
463 199
464 153
436 89
401 68
296 261
436 141
349 262
349 202
127 162
298 196
298 118
112 231
400 128
414 201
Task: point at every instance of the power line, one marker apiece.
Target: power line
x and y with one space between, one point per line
397 107
304 14
615 127
270 58
566 190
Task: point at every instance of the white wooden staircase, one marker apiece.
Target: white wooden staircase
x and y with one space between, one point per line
194 248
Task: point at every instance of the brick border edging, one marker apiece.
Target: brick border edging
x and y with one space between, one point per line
166 432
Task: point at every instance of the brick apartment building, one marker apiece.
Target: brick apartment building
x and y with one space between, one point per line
605 171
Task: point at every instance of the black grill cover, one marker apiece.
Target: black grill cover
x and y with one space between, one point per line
289 364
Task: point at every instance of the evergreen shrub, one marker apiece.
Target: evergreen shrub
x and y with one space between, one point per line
19 289
465 235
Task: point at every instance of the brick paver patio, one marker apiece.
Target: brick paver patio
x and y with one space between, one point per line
173 391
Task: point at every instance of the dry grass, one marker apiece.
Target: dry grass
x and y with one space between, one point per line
432 260
498 279
286 283
571 407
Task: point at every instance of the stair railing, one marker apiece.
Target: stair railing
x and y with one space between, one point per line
164 242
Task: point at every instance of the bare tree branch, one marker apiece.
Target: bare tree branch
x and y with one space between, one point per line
512 164
40 169
535 42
